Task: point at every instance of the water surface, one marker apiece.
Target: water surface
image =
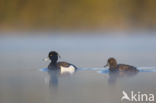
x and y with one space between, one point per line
21 80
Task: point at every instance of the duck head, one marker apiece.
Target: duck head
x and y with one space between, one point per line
112 63
53 56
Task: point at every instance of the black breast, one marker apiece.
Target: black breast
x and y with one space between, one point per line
52 67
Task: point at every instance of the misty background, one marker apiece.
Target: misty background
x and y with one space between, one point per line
85 33
77 15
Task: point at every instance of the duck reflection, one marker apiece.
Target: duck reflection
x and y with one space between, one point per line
119 70
53 78
55 74
114 75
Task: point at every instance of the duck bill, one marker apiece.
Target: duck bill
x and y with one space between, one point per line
46 59
106 65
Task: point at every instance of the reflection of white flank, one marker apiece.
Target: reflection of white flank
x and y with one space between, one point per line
125 96
69 69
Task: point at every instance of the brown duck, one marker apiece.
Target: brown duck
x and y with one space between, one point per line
113 66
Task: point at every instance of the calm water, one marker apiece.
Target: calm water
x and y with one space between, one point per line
21 80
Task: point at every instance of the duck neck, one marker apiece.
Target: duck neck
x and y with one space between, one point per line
113 67
53 62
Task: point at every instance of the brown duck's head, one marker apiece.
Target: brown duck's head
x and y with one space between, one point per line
112 63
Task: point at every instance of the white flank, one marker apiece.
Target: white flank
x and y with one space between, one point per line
69 69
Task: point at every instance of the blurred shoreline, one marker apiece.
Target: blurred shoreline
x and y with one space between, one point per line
77 15
82 33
